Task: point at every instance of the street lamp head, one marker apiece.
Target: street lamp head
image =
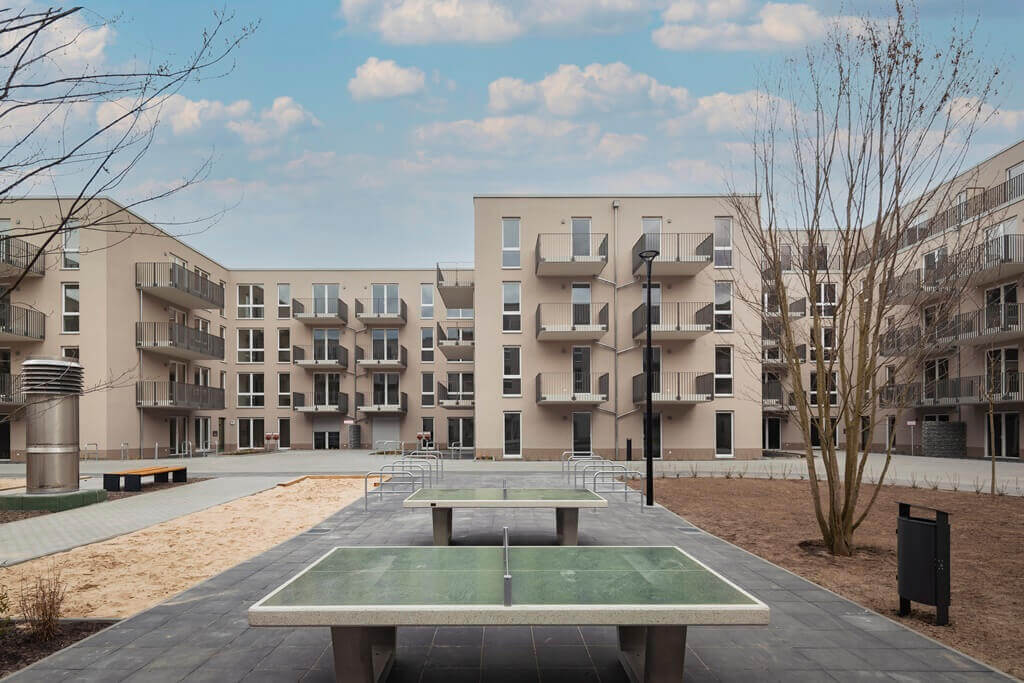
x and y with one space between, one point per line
649 254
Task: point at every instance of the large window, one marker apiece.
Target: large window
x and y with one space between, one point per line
460 385
385 299
250 302
513 435
826 299
250 390
511 307
510 248
723 242
651 227
325 299
284 390
427 301
581 243
827 346
427 344
250 346
284 345
385 389
723 371
723 306
427 390
385 344
284 431
250 432
70 308
72 240
326 344
327 389
511 372
831 388
427 427
723 434
284 300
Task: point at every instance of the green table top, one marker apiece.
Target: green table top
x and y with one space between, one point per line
393 576
492 494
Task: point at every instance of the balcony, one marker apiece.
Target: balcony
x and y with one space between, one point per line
773 360
455 284
921 284
20 324
382 312
1000 388
178 341
996 259
321 356
797 309
990 325
177 396
563 254
178 285
320 402
11 395
774 398
674 320
572 322
15 257
675 388
397 405
899 395
572 388
912 339
456 339
396 359
680 253
320 312
454 400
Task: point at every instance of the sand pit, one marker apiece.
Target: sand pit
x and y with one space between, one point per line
130 573
11 484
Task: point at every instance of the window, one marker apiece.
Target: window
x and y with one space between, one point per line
511 316
827 346
513 435
250 302
284 431
427 427
385 299
427 390
284 345
655 301
826 299
284 390
384 344
70 312
70 352
1015 171
786 257
72 243
327 389
723 306
831 388
385 389
510 249
284 300
223 379
250 432
511 372
580 298
427 344
223 332
723 242
250 346
427 301
325 299
250 390
771 304
326 344
723 371
723 435
223 287
460 386
581 242
651 228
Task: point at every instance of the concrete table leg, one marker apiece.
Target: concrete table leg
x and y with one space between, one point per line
362 654
442 525
653 654
567 525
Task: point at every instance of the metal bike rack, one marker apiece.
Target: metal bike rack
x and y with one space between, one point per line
432 457
613 482
398 481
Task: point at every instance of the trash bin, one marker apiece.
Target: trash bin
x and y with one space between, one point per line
922 561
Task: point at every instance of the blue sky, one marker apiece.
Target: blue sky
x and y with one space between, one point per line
355 133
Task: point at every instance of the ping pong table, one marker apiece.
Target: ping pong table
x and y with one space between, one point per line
652 594
566 502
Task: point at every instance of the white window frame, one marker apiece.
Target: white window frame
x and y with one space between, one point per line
280 421
427 352
250 348
284 353
252 311
76 249
822 302
65 314
326 379
1015 171
385 333
812 389
724 376
287 305
285 395
508 249
432 394
426 307
732 434
717 311
250 398
76 356
519 377
517 312
827 351
251 422
504 441
722 249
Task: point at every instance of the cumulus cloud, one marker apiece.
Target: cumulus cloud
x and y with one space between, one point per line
614 146
572 89
183 115
377 78
705 26
283 116
722 112
310 160
984 115
505 133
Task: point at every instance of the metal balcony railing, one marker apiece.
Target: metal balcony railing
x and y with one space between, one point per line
461 397
382 307
16 255
320 401
563 316
995 320
329 353
320 308
18 321
454 275
572 386
674 247
162 394
675 387
456 332
563 247
10 390
674 315
385 356
380 403
177 277
151 335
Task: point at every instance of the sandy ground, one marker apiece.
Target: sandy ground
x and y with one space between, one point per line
11 483
775 520
130 573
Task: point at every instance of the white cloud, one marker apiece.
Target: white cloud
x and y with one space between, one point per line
690 26
310 160
187 115
505 133
378 78
984 115
283 116
722 112
614 146
571 89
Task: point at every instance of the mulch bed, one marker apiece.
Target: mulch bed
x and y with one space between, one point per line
18 649
775 520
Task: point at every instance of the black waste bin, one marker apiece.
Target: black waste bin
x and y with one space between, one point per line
922 561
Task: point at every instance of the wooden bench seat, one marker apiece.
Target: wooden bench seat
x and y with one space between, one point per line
133 478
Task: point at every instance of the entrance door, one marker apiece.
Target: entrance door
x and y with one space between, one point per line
772 437
5 440
1006 428
202 435
581 442
580 237
461 431
1001 307
221 426
816 435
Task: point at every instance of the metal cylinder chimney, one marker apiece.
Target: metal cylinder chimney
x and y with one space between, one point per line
51 387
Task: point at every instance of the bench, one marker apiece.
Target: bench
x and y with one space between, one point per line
133 478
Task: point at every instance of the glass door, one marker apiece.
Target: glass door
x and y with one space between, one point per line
772 439
1003 434
652 233
581 369
580 237
581 433
385 388
580 304
325 299
385 299
655 301
202 435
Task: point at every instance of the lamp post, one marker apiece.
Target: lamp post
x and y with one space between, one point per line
648 255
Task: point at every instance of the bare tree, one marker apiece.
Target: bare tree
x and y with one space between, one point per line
853 145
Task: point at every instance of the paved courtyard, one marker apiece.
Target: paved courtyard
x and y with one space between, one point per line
202 634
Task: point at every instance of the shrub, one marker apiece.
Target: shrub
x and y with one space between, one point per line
41 604
6 624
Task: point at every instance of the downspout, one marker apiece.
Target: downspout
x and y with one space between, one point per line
139 351
615 319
